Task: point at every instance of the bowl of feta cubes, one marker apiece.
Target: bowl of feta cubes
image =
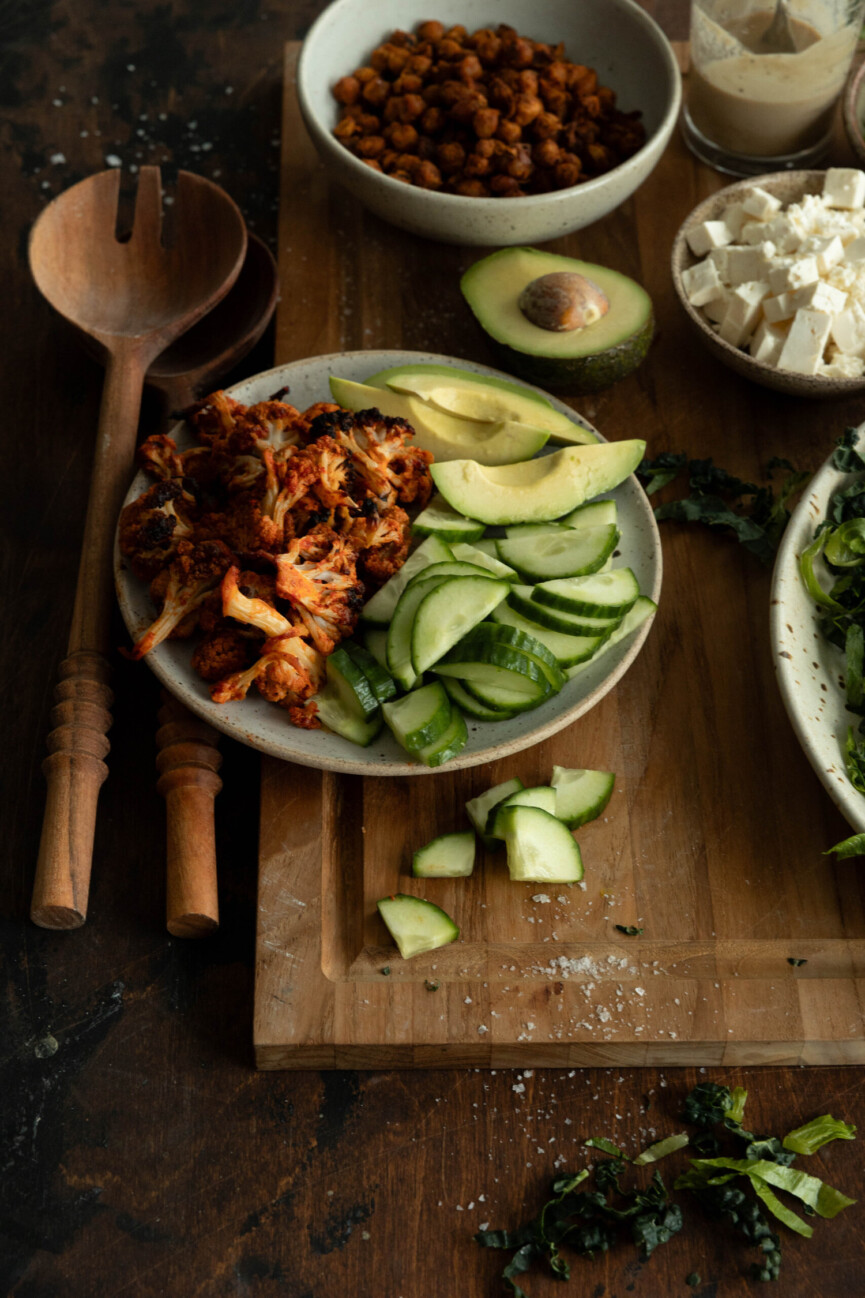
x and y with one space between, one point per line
771 272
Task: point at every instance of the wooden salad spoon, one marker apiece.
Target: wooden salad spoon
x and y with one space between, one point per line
188 757
134 297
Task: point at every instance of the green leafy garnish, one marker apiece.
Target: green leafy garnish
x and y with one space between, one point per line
661 1149
718 499
825 1201
852 846
605 1146
735 1111
794 960
846 457
816 1133
629 930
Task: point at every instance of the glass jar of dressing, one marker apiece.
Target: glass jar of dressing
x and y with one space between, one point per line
765 78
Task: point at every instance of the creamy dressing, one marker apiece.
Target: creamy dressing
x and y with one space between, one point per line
763 104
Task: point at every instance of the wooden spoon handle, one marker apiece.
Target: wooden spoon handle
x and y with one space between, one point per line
187 763
77 745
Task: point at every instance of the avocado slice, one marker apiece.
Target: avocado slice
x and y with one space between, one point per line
447 437
540 491
578 360
482 397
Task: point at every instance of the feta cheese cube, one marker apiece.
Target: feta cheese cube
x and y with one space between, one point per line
718 257
761 204
717 308
779 308
802 272
855 251
747 264
828 251
702 282
844 187
743 311
848 330
767 343
734 218
708 235
819 296
779 274
753 232
803 348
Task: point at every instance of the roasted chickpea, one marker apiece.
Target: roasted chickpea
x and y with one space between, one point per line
451 157
546 125
371 146
476 165
428 175
567 172
369 124
526 109
485 122
546 153
404 176
457 33
521 53
375 92
471 188
345 128
365 74
509 132
399 37
505 187
402 136
433 121
556 101
469 68
431 31
410 107
373 163
450 50
419 65
520 165
528 82
408 83
347 90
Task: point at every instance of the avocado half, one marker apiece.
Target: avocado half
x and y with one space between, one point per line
575 360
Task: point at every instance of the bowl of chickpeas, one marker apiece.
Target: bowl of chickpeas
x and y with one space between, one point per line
493 122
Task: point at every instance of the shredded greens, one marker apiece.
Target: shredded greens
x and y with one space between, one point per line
755 515
839 544
589 1211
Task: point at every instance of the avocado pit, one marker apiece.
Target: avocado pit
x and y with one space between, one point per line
563 301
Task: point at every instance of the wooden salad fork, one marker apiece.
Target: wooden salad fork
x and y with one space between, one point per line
133 297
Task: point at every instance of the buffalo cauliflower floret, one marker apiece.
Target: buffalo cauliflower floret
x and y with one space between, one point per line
194 573
152 526
326 591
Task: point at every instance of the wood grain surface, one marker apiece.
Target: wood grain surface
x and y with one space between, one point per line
142 1154
713 841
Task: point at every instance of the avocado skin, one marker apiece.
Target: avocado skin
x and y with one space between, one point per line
577 375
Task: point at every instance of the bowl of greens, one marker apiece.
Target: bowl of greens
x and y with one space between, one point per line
818 624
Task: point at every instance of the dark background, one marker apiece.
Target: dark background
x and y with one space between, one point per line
140 1153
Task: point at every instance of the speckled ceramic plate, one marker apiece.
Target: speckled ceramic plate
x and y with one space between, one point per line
810 669
262 725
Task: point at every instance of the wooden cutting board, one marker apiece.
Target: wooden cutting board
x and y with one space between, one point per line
713 841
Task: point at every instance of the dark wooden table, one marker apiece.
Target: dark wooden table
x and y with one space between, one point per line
140 1153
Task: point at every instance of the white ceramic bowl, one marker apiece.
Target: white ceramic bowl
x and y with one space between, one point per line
789 186
616 37
262 725
808 668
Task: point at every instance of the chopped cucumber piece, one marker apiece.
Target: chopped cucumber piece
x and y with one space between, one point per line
521 600
642 609
453 741
561 552
487 545
541 796
580 795
495 664
375 640
518 530
568 649
478 809
540 848
469 704
440 519
448 612
512 638
499 693
452 856
449 568
399 661
349 683
379 609
380 679
483 558
419 718
416 925
597 513
344 718
604 594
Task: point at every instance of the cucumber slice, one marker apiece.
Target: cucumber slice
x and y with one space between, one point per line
399 662
345 718
512 638
416 925
448 612
483 558
487 545
449 568
597 513
517 530
521 600
453 741
498 665
420 718
540 848
604 594
452 856
561 552
349 683
375 641
382 683
580 795
440 519
379 609
541 796
642 609
459 695
567 649
479 808
502 696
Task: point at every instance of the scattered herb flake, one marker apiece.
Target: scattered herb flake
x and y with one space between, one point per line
629 930
431 984
386 970
693 1280
795 961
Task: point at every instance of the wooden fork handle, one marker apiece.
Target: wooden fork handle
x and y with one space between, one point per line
187 763
77 746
